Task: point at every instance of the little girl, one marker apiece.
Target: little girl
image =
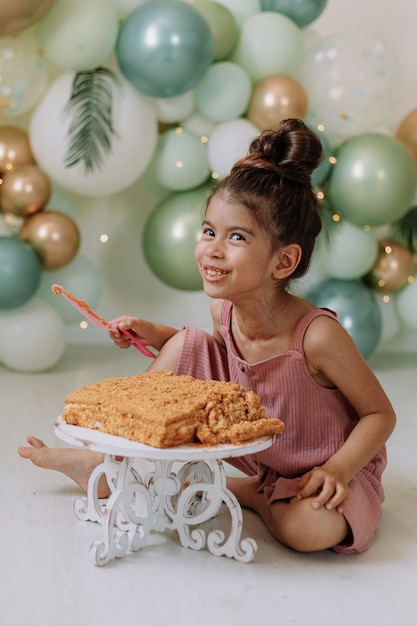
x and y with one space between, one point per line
319 485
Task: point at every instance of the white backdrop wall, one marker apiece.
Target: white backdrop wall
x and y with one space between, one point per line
128 285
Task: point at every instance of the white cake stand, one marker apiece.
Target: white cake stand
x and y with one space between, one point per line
161 499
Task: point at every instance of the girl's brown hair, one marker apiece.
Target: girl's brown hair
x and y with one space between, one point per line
274 182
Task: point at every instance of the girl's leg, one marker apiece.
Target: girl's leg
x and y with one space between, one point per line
292 522
76 464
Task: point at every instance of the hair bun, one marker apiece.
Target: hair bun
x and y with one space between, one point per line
293 149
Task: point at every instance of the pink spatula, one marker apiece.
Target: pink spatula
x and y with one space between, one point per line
97 320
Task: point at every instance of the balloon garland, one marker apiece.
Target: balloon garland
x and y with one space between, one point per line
173 92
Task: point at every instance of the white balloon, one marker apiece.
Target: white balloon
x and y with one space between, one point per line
350 253
32 337
228 143
132 144
350 81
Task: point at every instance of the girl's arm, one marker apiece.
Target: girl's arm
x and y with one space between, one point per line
333 358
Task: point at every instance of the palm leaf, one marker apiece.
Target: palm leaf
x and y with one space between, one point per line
405 229
91 128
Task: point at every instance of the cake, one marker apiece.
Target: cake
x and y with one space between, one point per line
163 410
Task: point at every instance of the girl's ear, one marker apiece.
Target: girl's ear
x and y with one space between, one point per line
288 258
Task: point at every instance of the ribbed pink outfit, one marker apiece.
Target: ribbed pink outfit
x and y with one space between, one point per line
317 421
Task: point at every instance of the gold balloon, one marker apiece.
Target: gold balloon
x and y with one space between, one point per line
275 99
17 15
53 235
14 149
392 269
407 132
25 190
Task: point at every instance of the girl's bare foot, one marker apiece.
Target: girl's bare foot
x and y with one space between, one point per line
76 464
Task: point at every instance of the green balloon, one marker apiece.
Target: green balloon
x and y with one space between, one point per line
164 47
356 308
170 236
20 272
302 12
223 27
373 181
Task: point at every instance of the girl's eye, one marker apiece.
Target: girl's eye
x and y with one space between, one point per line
209 232
237 237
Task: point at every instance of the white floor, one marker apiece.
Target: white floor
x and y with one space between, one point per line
47 577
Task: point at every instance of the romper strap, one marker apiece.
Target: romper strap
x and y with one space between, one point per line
298 343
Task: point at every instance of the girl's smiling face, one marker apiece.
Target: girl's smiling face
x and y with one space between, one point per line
234 253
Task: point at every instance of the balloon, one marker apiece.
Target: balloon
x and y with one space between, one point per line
79 35
80 277
14 148
357 310
229 142
269 44
53 235
406 306
132 144
407 132
20 272
302 12
32 337
275 99
350 253
18 15
200 125
23 74
374 180
180 161
222 24
25 190
392 268
172 110
124 7
171 234
241 9
164 47
350 81
224 92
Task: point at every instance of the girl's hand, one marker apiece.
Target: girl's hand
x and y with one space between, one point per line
148 333
325 487
142 329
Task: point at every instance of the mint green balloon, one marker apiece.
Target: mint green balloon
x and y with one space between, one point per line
269 44
373 181
78 35
170 236
224 92
222 24
180 161
350 253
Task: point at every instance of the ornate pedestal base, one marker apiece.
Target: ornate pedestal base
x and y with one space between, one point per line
161 499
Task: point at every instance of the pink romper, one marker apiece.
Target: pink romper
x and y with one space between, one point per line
317 421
